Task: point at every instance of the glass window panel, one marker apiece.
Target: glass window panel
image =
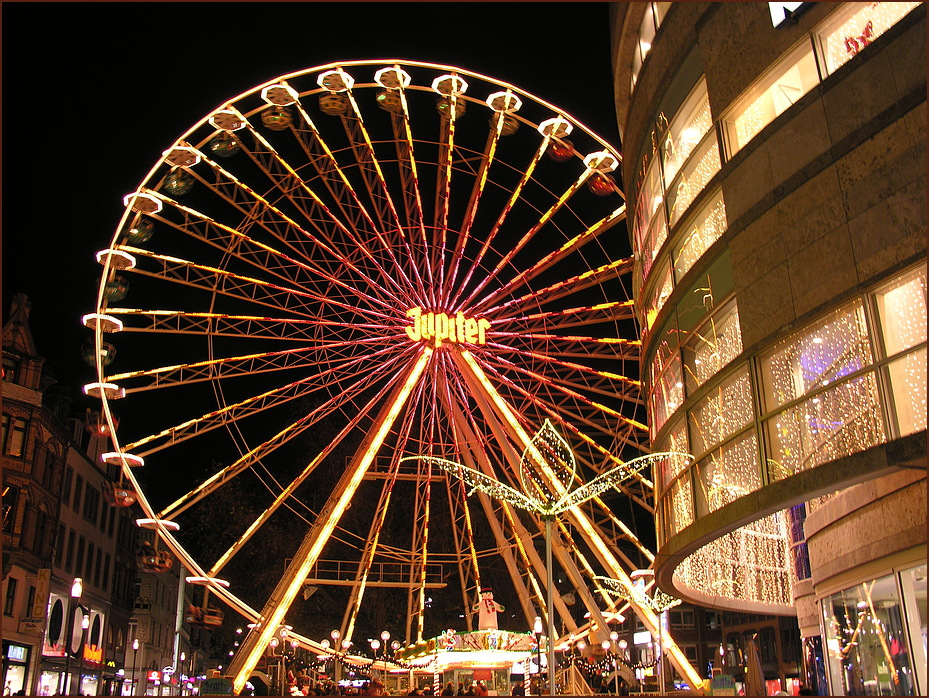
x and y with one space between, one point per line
648 205
688 127
835 423
696 174
706 293
902 309
825 352
867 648
660 294
773 96
722 412
913 585
674 442
680 506
667 395
707 227
17 437
855 28
907 377
731 472
712 347
657 234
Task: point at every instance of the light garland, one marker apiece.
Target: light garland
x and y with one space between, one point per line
749 564
658 602
539 497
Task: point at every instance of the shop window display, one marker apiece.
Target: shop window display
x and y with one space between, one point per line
868 652
855 27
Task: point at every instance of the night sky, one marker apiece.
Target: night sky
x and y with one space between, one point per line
95 92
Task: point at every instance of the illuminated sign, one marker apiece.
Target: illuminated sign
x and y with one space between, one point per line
444 328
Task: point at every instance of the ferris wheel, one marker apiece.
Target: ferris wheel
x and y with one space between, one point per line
349 266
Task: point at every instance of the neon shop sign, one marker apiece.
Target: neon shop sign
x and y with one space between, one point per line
440 327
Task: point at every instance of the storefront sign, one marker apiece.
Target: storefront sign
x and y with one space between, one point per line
445 328
31 625
40 604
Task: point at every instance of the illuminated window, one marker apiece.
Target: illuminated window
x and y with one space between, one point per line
865 626
781 87
10 368
834 405
706 228
722 412
835 347
690 125
712 346
689 158
854 28
901 307
730 472
14 435
667 394
654 13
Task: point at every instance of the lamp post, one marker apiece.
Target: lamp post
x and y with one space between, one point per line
614 636
537 631
85 623
183 673
135 657
77 588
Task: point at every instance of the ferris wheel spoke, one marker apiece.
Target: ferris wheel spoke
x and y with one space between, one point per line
379 194
242 365
287 492
594 381
238 245
568 417
327 226
257 403
220 324
607 312
335 180
550 260
477 190
569 286
241 287
491 236
529 235
223 476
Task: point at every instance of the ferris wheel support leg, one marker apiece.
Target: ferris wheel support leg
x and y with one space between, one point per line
589 532
280 600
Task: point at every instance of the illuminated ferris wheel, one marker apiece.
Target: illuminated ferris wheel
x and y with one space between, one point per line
351 265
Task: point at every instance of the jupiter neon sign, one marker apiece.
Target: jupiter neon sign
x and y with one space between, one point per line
440 327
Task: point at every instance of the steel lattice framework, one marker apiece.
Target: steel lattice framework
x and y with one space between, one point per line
420 258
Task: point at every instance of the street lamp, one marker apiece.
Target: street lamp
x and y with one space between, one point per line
183 673
614 636
135 657
77 588
85 623
537 631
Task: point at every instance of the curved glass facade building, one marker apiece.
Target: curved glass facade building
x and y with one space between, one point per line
775 164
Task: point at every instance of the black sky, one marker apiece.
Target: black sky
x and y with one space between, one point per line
95 92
